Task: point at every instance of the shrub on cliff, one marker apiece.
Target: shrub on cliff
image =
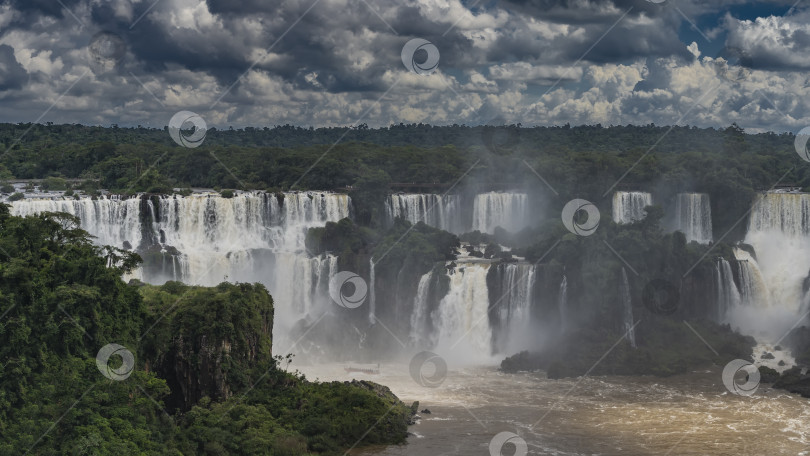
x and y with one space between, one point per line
205 351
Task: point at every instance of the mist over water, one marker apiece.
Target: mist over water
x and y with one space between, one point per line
463 328
488 310
257 237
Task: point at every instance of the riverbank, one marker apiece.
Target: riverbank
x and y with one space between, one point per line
688 414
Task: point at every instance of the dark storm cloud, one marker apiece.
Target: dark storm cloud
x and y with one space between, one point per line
329 64
12 75
33 8
582 11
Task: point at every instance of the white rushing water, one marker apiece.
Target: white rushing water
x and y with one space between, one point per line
514 307
372 299
753 289
628 207
493 209
252 237
728 297
627 308
693 216
779 231
562 303
419 317
111 220
463 328
439 211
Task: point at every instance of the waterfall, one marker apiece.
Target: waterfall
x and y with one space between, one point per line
372 293
420 311
562 303
693 216
112 220
204 239
462 320
507 210
779 231
753 290
629 324
628 207
439 211
728 297
215 236
511 303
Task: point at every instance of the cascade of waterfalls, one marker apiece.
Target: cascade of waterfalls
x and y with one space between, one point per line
510 302
439 211
112 220
493 209
628 207
728 297
693 216
420 311
779 231
206 239
462 321
753 290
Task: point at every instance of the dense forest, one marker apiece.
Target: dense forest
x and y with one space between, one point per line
202 379
62 298
571 162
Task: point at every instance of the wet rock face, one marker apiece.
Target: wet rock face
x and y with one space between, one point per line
794 381
196 370
214 342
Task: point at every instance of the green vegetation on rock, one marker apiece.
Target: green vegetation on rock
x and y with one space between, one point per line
204 380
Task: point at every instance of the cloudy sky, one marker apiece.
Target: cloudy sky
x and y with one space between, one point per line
340 62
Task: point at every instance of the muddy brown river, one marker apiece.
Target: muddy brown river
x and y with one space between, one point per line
690 414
